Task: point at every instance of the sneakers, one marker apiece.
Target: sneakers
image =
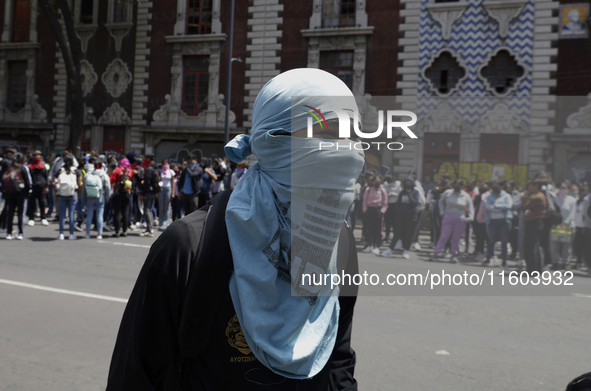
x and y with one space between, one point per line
60 237
31 223
150 234
9 237
366 250
78 228
479 257
376 250
398 245
455 260
387 253
19 237
405 254
132 227
87 236
417 246
123 234
99 237
72 237
44 222
115 235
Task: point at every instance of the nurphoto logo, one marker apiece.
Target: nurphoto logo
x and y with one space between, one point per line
345 128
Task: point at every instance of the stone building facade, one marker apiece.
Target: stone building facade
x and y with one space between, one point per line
483 76
480 74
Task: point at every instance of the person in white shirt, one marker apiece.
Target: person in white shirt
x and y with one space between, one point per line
558 246
168 186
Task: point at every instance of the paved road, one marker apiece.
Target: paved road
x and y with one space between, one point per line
56 340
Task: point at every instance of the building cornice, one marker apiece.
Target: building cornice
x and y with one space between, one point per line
195 38
337 31
19 45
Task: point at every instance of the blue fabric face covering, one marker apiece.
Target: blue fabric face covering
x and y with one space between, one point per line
284 219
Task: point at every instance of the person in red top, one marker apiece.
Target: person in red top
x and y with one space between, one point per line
121 196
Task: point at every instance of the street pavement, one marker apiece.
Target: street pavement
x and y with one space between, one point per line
62 301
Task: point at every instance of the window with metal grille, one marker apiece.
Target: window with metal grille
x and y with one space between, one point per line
17 85
502 72
338 13
21 20
199 16
195 84
86 10
340 64
445 72
119 11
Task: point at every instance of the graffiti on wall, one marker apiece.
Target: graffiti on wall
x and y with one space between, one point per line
484 171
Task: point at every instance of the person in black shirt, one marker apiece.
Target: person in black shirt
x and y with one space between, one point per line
213 307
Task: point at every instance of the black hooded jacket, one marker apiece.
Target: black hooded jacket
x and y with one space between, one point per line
147 355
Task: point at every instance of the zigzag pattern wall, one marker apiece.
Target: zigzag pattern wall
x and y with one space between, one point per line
473 38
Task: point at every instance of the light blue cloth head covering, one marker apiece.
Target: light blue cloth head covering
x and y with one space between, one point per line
284 218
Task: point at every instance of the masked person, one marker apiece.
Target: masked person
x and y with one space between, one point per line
498 218
278 222
375 204
407 205
455 205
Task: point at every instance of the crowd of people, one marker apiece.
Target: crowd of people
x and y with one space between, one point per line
542 227
106 192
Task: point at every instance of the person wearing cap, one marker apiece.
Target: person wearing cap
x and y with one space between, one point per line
268 331
40 188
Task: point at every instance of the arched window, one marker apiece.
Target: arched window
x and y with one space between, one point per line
502 72
445 73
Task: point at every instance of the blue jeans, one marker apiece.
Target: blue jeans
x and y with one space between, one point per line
70 204
498 230
93 204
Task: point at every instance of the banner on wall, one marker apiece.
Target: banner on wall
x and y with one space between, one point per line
484 171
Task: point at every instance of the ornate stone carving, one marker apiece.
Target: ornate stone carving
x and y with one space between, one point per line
85 32
444 119
89 118
337 43
38 113
118 31
221 111
162 114
501 119
89 77
446 14
581 119
115 115
197 48
504 12
116 77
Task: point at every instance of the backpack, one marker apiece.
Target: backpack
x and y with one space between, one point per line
93 186
156 182
67 183
12 181
553 215
124 184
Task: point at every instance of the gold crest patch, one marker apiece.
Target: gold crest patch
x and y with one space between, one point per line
236 337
